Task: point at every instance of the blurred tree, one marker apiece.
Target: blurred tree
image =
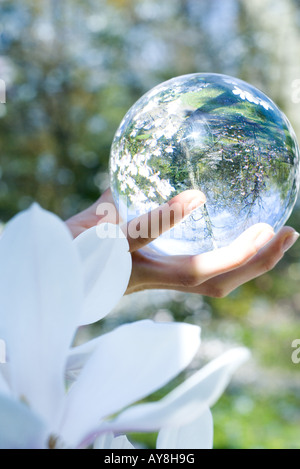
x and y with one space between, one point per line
74 67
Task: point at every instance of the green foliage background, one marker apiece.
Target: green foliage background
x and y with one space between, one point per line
72 69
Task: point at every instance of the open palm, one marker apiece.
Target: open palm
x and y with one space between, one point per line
214 273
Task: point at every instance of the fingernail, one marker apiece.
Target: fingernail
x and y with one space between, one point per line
196 203
290 241
263 238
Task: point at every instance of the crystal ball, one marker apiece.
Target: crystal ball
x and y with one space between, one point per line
212 133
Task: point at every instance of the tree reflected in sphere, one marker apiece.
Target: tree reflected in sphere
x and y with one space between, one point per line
213 133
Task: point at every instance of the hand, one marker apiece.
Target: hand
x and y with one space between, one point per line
214 273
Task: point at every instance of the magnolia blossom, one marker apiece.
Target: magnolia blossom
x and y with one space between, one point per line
53 396
183 416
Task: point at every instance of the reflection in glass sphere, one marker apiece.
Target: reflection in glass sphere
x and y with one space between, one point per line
216 134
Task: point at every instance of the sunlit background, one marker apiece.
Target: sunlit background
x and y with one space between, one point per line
72 69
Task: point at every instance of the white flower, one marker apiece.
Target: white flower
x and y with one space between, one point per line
144 171
123 186
141 158
183 417
44 297
132 169
151 193
42 303
159 133
151 143
131 182
170 130
138 201
159 122
124 161
169 149
173 107
164 188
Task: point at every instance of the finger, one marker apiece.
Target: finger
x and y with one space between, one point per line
191 271
263 262
102 211
146 228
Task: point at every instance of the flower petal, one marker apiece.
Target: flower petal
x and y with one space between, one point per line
108 441
77 358
121 442
107 268
187 402
20 428
41 298
104 441
131 362
197 434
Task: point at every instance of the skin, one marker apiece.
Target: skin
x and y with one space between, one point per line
214 274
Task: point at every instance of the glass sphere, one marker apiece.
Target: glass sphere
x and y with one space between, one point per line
212 133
